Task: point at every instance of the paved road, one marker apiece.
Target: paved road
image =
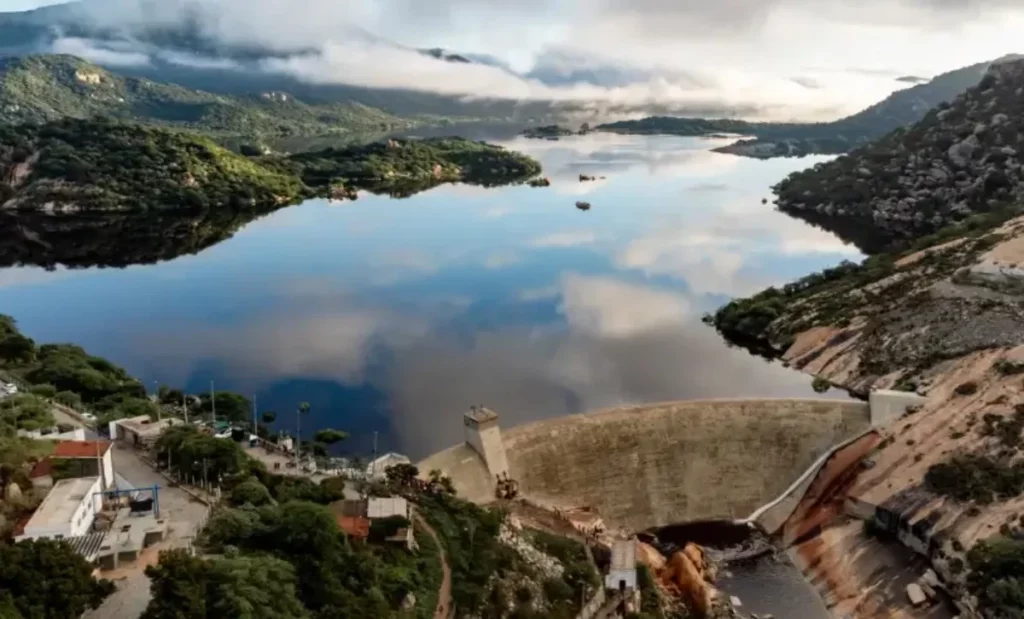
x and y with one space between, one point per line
444 594
182 514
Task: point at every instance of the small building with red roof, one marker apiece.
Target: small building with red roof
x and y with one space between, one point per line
72 459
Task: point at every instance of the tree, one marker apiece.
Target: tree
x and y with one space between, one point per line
254 587
229 405
820 385
299 413
47 579
16 348
269 417
43 391
69 399
201 456
996 568
26 411
440 483
177 587
250 492
330 436
401 475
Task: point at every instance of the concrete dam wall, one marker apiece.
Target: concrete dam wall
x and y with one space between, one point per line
657 464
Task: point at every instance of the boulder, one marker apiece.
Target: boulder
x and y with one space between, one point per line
916 594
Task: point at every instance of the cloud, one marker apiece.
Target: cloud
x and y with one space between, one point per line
733 57
565 239
93 52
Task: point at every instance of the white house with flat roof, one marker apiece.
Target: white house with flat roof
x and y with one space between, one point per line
386 507
379 467
67 511
622 571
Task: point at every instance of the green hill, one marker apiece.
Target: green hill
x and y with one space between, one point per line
101 165
49 87
74 165
960 160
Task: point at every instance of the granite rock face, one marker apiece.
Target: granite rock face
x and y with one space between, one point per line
960 160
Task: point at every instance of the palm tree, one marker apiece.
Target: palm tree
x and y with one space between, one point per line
302 410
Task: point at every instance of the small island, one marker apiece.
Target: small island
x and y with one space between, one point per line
548 132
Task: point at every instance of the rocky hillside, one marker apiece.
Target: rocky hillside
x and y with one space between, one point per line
49 87
961 159
940 314
945 320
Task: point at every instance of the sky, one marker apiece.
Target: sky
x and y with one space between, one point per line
817 58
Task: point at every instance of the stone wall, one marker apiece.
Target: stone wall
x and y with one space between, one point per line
660 464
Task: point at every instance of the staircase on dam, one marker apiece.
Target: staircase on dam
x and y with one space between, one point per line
659 464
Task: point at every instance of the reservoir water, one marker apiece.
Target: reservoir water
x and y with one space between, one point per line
393 316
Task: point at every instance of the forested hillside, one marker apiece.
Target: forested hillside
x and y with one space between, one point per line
41 88
98 165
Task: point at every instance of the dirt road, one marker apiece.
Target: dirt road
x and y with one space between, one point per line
444 595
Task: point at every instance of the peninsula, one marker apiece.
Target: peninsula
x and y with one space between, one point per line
98 165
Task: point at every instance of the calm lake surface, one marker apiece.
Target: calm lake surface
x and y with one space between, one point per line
393 316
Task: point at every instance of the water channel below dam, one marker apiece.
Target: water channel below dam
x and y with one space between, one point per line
763 579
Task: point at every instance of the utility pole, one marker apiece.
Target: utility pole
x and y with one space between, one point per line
184 405
298 434
213 404
373 463
156 396
254 425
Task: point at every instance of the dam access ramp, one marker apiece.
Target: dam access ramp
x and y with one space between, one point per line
658 464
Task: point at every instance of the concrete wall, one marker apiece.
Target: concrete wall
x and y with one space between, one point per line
887 406
665 463
485 438
467 469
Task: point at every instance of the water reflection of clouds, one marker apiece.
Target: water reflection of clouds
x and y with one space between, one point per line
611 342
723 251
610 154
573 238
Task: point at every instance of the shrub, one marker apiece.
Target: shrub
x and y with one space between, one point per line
68 398
997 576
43 391
976 478
1007 367
968 388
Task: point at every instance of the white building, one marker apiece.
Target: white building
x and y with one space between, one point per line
141 430
622 572
86 457
378 468
67 511
386 507
54 434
